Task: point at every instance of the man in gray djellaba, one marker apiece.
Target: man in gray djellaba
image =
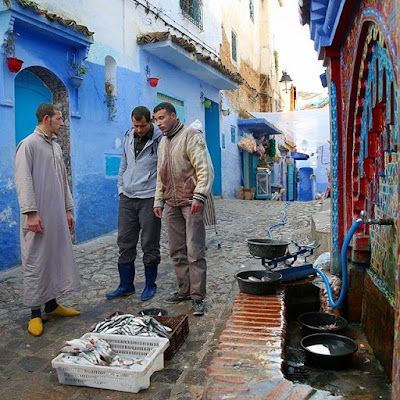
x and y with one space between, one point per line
46 205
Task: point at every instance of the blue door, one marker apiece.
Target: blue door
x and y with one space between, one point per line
291 182
30 92
213 144
305 184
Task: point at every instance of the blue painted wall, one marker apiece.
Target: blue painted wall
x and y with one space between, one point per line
95 142
231 157
93 138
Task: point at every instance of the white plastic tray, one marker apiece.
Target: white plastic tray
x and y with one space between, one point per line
136 378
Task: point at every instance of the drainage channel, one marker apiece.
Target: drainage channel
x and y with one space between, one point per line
363 378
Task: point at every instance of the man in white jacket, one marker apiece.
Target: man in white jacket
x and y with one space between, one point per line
184 180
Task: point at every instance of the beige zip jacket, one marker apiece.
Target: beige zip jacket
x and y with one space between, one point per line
184 171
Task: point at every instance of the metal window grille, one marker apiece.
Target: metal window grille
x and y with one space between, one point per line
234 46
193 11
169 99
251 5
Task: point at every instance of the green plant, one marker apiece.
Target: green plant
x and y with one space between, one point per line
276 58
110 100
79 69
9 43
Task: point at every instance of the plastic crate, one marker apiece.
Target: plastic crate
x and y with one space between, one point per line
180 329
136 378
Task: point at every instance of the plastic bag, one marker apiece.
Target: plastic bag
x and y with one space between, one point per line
248 143
323 262
260 150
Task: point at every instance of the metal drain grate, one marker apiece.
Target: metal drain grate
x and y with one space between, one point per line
294 371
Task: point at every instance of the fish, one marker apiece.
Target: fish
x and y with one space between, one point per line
128 324
95 351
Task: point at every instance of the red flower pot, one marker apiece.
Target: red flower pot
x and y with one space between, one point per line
14 64
153 82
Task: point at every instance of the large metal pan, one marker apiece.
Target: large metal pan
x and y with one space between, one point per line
328 350
260 287
321 322
267 248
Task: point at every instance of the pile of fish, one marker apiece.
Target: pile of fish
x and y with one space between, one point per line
328 327
131 325
95 351
255 279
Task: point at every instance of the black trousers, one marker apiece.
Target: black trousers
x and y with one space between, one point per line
136 217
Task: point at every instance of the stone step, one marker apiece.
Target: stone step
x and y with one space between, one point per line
248 359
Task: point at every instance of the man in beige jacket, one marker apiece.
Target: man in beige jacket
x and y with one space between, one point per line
184 178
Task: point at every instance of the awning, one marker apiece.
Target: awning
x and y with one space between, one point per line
188 62
299 156
258 127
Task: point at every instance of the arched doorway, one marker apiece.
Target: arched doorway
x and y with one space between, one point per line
30 91
33 86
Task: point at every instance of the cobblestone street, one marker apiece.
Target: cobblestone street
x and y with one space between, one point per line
25 361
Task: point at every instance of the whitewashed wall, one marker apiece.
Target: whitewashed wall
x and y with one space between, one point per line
120 21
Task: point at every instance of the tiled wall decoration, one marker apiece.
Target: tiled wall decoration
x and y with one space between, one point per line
334 179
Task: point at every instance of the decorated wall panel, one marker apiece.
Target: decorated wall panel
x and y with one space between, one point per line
375 160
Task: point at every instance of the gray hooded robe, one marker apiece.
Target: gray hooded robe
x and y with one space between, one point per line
41 180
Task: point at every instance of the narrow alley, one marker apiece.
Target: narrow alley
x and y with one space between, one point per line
26 359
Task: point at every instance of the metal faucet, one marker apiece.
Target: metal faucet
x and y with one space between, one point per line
375 221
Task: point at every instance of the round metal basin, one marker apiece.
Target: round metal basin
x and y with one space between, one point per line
153 311
320 322
328 350
267 248
259 287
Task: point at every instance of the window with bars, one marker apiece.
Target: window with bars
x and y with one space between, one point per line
251 5
234 46
193 10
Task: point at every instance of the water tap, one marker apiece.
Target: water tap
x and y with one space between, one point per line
375 221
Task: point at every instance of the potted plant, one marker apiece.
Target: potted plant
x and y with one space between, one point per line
14 64
110 99
76 76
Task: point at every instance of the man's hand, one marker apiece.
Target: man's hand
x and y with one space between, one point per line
35 223
158 212
197 207
71 221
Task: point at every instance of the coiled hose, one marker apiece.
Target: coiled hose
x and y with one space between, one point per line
343 256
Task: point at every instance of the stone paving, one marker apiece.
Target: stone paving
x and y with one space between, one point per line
25 361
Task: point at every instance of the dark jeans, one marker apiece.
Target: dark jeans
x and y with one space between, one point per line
135 216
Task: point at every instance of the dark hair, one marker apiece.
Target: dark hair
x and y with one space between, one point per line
168 107
46 109
141 112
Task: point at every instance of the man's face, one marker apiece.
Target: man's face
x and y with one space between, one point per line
54 123
141 127
164 120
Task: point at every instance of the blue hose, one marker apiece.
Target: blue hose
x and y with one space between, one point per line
280 223
345 246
